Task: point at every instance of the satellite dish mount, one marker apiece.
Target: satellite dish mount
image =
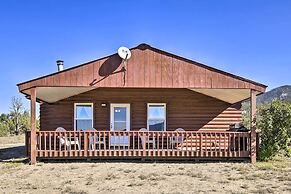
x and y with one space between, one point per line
125 54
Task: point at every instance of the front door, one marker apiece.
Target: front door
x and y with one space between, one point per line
119 121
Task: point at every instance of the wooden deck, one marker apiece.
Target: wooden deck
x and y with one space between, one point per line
135 144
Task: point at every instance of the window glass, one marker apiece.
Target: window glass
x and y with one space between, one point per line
156 125
120 125
83 120
84 111
156 117
156 111
83 124
119 113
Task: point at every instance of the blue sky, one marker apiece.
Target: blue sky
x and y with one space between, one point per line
248 38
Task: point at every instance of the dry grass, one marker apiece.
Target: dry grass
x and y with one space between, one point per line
120 177
11 141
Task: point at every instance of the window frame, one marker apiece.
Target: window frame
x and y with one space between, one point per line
75 113
165 106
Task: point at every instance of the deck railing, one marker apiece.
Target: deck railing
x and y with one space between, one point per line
153 144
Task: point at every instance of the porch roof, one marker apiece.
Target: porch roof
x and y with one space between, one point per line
148 67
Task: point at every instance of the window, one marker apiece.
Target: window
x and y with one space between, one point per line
156 117
83 116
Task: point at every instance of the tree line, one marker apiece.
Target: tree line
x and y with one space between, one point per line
17 121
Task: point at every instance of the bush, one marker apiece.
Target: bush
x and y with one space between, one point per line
274 121
4 130
4 125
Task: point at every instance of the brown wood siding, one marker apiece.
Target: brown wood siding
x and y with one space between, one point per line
185 108
147 68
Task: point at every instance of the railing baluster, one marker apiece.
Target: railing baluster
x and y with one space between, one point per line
105 135
185 140
89 144
94 147
54 146
50 144
128 144
172 143
99 142
219 144
40 143
68 143
201 139
138 143
45 150
235 134
229 144
239 144
154 139
214 145
244 143
196 141
148 136
191 143
70 139
158 143
133 142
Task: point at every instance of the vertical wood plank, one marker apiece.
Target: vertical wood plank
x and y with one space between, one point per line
158 73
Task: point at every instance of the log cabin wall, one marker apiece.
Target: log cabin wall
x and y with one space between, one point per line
185 108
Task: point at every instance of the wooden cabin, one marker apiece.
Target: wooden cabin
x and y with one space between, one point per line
153 105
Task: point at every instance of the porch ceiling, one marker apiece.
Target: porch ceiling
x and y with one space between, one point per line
54 94
228 95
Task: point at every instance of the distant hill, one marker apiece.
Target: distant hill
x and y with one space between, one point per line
282 93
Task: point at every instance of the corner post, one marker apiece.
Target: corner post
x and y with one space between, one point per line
253 115
33 125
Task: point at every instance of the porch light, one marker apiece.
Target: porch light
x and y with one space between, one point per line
60 65
103 104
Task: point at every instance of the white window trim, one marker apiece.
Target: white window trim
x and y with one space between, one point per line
165 105
75 115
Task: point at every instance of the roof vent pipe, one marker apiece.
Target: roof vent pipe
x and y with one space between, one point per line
60 65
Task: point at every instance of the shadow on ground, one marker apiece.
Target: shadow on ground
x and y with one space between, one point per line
12 153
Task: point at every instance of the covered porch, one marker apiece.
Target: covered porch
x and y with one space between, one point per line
213 140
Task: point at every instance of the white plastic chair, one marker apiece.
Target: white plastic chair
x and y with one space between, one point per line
66 141
95 140
178 139
147 140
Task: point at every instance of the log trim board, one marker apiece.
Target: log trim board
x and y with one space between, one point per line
148 67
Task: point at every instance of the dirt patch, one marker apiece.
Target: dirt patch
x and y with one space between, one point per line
127 177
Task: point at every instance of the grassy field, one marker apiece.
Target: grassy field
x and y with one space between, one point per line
130 177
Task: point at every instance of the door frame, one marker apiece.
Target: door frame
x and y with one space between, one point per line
126 105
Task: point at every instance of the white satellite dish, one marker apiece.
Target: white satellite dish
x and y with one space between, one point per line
124 53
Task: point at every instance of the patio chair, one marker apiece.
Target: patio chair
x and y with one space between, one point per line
95 139
179 139
67 141
147 140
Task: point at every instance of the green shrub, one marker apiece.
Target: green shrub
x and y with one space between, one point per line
274 121
4 130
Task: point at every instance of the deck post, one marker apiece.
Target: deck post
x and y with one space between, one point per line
33 126
253 126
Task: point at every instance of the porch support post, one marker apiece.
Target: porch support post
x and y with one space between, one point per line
253 126
33 126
